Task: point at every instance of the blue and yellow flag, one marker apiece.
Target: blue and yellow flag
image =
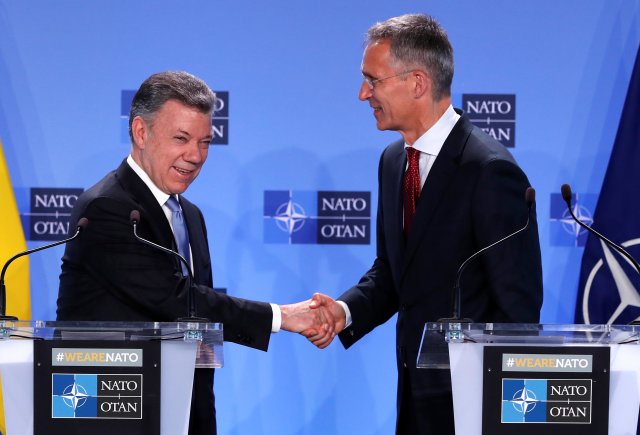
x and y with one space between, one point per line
12 241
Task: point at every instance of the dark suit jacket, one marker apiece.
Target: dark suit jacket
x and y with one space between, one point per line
109 275
473 196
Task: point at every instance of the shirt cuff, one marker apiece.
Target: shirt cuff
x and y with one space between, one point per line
347 313
276 323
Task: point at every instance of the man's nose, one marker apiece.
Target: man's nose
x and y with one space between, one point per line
365 91
194 153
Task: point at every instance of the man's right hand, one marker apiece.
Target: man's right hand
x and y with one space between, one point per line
334 311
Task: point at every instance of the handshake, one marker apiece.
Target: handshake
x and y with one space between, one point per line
319 319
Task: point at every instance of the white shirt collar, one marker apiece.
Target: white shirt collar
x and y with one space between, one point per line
160 196
432 140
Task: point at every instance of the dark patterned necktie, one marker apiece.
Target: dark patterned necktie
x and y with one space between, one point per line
411 188
179 231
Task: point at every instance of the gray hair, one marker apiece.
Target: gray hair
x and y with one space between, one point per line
418 41
170 85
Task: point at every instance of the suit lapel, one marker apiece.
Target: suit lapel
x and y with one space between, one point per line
151 214
399 163
440 176
392 176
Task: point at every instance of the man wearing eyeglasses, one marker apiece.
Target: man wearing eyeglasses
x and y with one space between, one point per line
446 190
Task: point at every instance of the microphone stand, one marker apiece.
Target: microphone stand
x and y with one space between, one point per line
134 218
82 223
566 195
530 195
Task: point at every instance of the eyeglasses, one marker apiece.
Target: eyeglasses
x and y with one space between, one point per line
371 83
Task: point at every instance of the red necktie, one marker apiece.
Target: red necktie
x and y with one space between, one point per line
411 188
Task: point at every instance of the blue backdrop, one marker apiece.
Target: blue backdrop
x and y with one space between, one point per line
289 72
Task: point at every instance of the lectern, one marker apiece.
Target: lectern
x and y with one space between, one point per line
72 375
538 379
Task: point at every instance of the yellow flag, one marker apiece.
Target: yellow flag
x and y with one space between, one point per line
12 241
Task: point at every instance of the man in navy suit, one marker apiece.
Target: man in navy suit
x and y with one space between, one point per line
108 275
459 191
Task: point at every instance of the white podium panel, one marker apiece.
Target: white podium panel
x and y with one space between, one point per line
467 375
460 347
183 347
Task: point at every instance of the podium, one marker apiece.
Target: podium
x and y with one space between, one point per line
179 349
596 368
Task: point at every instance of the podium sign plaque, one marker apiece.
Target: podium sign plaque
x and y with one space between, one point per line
556 390
97 387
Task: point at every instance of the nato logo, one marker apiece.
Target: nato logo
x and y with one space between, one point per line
309 217
74 396
546 401
564 230
612 288
495 114
50 212
220 121
96 396
524 400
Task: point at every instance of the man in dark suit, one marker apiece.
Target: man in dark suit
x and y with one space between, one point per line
107 274
445 191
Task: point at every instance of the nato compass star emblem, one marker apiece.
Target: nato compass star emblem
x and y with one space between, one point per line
524 401
625 283
564 230
571 226
290 217
74 396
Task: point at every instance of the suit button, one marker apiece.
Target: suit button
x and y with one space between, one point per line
405 365
403 307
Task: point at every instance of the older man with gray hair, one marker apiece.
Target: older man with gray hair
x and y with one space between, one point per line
108 275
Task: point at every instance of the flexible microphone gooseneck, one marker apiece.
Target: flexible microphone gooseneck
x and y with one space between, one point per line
530 197
82 224
134 218
566 195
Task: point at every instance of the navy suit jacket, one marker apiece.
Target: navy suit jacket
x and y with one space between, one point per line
109 275
473 196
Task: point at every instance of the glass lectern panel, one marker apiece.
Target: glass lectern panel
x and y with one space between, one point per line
436 337
207 336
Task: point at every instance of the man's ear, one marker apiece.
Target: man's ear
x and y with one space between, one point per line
422 83
139 132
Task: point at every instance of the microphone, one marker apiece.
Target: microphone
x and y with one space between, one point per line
566 195
530 198
82 224
134 219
